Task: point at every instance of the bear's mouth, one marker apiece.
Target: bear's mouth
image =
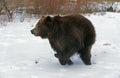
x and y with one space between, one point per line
35 34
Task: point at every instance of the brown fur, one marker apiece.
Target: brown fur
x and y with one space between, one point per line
67 35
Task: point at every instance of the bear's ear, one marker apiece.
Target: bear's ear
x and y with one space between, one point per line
43 17
48 20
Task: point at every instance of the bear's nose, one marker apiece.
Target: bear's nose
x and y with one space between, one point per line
32 32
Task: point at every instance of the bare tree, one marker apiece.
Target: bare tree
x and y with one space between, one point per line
1 8
4 4
10 6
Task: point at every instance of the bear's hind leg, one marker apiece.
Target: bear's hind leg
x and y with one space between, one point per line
85 55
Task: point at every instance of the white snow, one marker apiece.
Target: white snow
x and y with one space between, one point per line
20 50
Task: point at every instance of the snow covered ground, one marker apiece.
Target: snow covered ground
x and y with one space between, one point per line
19 50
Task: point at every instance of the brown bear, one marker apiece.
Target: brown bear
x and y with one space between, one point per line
67 35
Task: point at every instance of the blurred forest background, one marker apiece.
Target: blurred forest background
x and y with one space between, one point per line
45 7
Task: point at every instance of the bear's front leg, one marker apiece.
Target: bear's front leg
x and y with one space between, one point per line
63 61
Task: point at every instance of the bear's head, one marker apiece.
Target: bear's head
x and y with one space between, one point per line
47 27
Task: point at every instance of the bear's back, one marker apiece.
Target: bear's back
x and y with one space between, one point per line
79 27
79 21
